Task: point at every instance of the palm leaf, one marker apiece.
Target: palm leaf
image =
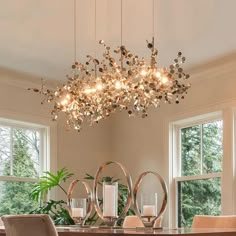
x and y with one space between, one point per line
48 181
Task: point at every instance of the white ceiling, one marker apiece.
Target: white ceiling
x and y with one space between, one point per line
36 37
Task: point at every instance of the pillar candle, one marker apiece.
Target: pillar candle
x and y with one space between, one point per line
149 210
77 212
110 200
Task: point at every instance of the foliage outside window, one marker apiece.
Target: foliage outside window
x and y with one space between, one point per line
20 166
199 180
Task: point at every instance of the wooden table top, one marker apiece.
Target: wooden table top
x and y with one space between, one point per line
75 231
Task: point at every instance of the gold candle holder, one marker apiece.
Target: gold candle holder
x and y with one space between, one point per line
112 220
149 220
79 208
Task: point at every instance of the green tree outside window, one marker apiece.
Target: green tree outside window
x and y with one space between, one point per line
201 153
14 195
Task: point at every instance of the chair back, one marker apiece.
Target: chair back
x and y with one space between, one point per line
203 221
134 221
29 225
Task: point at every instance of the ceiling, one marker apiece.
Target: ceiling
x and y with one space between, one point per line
37 36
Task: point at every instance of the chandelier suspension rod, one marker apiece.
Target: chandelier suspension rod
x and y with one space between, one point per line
95 37
153 26
121 34
75 38
121 22
95 27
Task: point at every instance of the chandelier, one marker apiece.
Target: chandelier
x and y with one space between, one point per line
121 80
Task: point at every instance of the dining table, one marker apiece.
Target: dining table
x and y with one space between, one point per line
100 231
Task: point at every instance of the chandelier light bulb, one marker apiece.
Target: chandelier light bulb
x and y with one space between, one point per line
65 101
164 80
157 74
99 87
87 91
143 72
141 87
64 104
118 85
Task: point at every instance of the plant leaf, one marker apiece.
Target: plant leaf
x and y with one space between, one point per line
48 181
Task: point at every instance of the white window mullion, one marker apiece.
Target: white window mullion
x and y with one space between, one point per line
18 179
11 151
198 177
41 153
201 148
179 145
176 171
228 184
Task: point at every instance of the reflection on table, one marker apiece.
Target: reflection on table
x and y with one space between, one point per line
73 231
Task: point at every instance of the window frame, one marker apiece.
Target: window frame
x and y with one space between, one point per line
42 132
175 159
49 144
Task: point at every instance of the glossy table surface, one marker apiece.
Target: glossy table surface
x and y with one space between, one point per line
73 231
65 231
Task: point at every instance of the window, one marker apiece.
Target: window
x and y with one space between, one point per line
198 178
21 163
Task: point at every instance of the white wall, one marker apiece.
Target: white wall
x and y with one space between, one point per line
83 152
137 142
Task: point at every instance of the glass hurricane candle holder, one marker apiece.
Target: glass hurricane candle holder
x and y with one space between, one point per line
109 214
149 205
148 211
79 208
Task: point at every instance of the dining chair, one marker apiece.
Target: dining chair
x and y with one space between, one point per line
205 221
29 225
134 221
